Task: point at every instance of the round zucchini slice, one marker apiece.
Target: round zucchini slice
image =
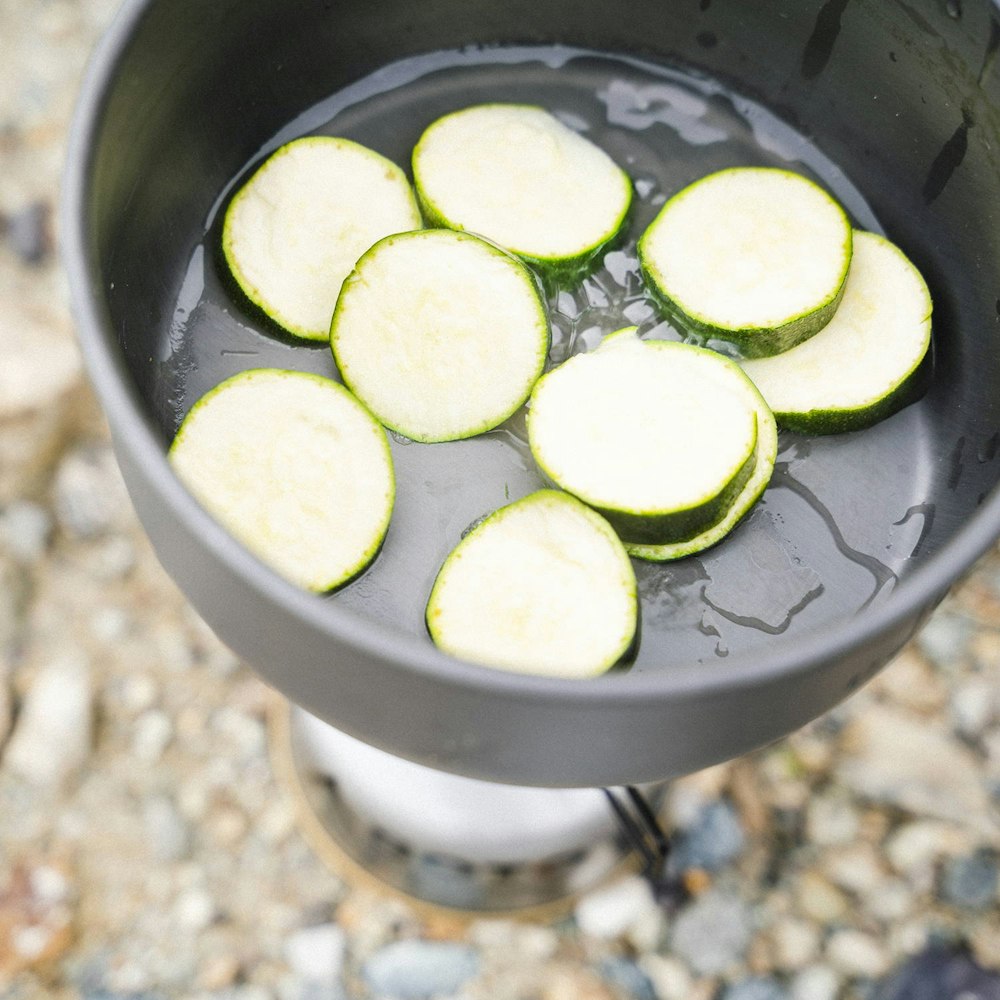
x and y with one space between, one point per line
659 437
867 363
764 458
752 255
295 468
517 175
440 334
294 231
542 586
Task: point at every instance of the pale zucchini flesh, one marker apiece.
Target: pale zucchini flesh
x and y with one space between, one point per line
294 231
765 455
440 334
752 255
541 586
295 468
660 437
867 363
520 177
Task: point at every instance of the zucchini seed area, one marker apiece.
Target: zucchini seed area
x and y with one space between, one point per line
542 586
295 468
652 429
520 177
440 334
748 248
876 340
295 230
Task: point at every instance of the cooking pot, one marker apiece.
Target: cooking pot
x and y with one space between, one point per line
894 105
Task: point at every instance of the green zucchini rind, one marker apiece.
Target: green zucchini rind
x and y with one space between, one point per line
295 468
518 176
541 586
869 362
294 231
752 255
440 334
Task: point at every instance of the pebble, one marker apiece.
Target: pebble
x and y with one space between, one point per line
758 988
893 901
25 529
316 954
53 733
416 970
89 496
711 934
914 847
940 973
818 982
895 759
670 977
796 942
168 834
818 899
973 707
623 974
971 881
194 909
910 680
857 954
832 819
713 840
943 638
152 735
29 234
857 868
610 912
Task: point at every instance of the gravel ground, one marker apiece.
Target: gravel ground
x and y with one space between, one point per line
146 852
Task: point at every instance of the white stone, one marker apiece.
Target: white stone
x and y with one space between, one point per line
152 735
139 692
49 885
856 868
194 909
669 976
818 982
796 943
316 954
857 954
110 625
831 820
89 495
609 912
920 844
892 901
974 706
894 758
53 733
25 528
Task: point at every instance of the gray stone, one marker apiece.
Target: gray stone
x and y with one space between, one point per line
971 881
714 839
25 528
712 933
29 233
168 834
415 970
893 758
53 733
944 638
626 976
90 497
757 988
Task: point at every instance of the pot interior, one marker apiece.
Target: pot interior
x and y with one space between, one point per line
895 108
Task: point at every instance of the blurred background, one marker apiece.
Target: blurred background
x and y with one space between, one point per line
147 852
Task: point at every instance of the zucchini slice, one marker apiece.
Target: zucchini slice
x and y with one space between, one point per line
752 255
542 586
766 453
440 334
295 467
293 232
866 364
517 175
659 437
